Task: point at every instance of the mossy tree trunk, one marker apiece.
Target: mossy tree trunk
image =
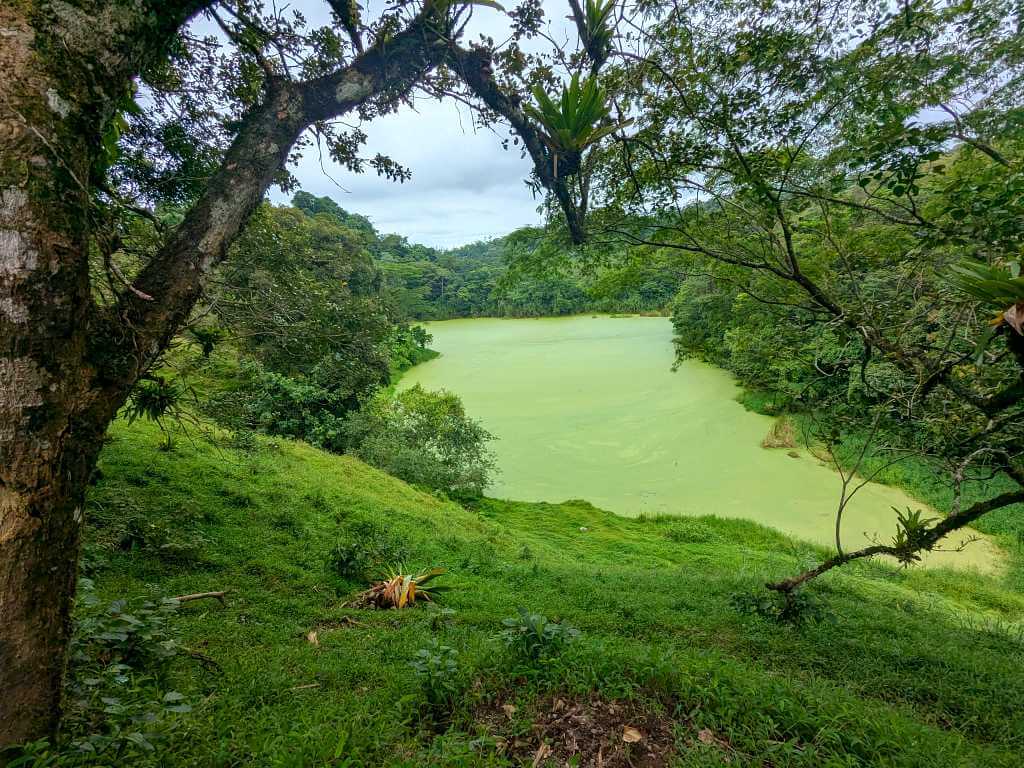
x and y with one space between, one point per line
67 364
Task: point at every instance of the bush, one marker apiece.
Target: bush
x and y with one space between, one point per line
116 690
793 608
365 549
425 438
532 637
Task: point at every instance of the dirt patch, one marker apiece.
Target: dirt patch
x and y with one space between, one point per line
588 732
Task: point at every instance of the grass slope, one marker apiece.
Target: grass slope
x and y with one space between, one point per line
914 668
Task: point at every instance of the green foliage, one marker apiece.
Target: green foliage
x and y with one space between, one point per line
790 608
598 17
437 669
364 549
531 637
911 528
931 646
207 336
578 120
425 438
152 398
117 699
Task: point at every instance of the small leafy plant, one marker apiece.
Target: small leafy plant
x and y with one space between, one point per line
791 608
580 118
911 530
117 692
531 636
437 669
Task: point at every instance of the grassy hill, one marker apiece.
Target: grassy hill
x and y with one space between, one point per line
903 668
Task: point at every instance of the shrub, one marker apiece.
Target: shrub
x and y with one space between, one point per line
437 669
425 438
532 637
365 549
793 608
116 691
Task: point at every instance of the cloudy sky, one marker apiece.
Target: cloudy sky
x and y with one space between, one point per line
465 187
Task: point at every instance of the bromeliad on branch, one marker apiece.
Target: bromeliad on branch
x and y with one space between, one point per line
580 118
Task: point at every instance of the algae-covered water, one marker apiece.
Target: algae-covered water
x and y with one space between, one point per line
589 408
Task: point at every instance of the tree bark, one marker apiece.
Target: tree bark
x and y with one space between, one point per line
45 453
67 365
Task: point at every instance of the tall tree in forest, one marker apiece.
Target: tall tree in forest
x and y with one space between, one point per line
770 137
112 217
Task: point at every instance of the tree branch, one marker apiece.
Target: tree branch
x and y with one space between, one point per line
174 277
474 67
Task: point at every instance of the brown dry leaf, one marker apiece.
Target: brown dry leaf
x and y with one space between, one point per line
509 710
631 735
1014 317
542 751
312 637
706 737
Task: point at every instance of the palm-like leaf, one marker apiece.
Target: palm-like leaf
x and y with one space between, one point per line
993 285
597 16
574 122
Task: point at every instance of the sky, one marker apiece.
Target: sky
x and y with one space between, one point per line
464 187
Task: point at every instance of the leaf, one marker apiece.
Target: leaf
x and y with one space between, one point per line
983 341
1014 317
172 696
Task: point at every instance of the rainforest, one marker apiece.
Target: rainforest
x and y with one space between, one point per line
703 447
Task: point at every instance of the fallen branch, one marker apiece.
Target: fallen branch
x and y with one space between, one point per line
199 656
202 596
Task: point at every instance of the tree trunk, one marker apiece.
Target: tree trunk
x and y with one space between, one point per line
67 365
46 451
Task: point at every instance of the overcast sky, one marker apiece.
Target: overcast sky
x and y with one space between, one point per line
464 187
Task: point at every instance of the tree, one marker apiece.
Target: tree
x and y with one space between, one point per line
87 303
834 164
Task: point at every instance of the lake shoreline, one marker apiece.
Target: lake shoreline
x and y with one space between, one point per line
532 480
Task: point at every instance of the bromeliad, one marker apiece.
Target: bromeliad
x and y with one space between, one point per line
399 590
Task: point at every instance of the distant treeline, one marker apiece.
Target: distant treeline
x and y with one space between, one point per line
484 279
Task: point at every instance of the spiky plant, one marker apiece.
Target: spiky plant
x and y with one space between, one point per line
597 17
398 590
999 288
577 120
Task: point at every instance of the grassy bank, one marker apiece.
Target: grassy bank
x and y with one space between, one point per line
903 668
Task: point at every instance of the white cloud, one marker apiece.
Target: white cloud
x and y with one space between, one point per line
464 187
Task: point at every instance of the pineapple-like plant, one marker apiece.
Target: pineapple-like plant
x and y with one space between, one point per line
578 119
1001 288
597 25
398 590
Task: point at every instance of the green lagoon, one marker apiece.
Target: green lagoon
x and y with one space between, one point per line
588 407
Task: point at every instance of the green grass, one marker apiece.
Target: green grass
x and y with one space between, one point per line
913 668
